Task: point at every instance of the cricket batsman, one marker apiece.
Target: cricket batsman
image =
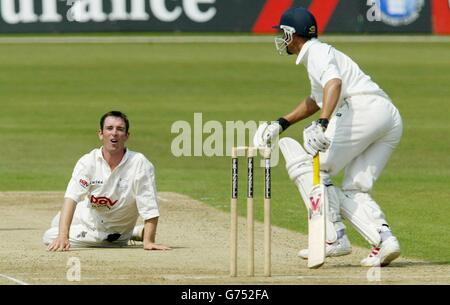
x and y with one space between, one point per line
357 131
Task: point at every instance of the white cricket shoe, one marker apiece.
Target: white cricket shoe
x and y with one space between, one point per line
384 254
339 248
138 233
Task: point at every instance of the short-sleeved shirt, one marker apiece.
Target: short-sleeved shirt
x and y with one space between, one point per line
324 63
114 199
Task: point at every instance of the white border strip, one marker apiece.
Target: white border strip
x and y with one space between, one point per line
13 279
211 39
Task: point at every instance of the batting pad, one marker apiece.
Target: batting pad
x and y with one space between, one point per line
300 170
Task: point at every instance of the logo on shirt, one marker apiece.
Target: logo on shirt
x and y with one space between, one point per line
96 182
84 183
98 202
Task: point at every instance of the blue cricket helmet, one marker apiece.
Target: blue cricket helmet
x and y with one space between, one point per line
299 19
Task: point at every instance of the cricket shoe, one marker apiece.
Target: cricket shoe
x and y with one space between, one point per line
384 254
138 233
340 247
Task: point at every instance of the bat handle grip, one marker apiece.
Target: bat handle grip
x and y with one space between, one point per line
316 169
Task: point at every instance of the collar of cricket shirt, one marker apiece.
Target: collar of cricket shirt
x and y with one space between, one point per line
304 51
99 155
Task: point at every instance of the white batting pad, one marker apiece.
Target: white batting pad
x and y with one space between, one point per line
299 167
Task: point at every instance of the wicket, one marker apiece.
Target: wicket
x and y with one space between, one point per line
251 152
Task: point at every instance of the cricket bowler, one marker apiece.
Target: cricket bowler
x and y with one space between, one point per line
357 131
110 188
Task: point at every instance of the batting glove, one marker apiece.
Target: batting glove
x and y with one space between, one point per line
314 139
267 132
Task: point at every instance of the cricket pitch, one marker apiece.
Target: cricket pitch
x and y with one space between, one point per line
199 237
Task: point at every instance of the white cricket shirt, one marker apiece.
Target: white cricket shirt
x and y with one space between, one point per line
323 63
114 199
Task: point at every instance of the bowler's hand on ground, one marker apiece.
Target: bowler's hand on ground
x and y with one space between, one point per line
59 244
153 246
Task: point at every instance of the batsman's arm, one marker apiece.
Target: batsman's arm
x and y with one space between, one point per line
305 109
61 243
331 94
150 226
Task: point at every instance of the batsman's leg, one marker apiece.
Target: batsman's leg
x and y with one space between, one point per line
360 208
361 173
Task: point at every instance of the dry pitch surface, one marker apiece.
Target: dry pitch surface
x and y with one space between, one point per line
199 236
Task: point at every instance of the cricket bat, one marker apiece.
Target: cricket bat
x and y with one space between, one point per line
316 219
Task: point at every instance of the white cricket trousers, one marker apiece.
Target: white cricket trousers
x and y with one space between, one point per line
364 132
82 234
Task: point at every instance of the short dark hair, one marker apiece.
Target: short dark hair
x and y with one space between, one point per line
117 114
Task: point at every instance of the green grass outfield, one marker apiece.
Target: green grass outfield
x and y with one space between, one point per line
52 95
